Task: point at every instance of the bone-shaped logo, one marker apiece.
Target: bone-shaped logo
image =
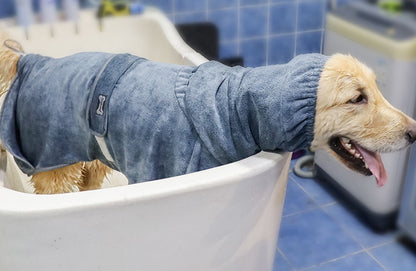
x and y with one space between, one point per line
100 109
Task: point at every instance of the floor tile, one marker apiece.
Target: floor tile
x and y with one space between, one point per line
296 199
357 262
362 233
280 264
318 190
396 256
312 237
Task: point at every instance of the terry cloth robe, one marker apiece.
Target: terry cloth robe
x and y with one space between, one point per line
151 120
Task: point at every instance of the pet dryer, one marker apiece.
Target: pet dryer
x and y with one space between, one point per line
387 44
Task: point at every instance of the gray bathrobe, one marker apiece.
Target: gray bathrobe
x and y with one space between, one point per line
151 120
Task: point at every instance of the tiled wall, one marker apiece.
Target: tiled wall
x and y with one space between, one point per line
264 32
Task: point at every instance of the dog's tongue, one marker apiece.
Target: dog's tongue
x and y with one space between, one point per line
375 165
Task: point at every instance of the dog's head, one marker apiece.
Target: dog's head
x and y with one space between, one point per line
354 121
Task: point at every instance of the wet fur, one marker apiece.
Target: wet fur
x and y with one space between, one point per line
375 125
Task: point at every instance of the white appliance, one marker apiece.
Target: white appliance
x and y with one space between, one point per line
387 44
407 214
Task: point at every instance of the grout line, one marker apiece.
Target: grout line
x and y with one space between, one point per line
299 32
300 212
275 35
345 230
268 31
238 27
311 197
367 250
382 244
284 257
329 204
331 260
325 10
364 249
377 261
296 27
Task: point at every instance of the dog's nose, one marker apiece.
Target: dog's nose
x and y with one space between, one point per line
411 134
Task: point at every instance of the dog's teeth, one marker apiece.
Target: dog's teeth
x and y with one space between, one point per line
348 145
365 164
352 152
345 140
357 155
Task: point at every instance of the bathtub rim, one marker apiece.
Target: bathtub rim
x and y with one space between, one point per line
20 203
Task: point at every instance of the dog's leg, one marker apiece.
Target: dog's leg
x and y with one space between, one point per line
62 180
77 177
94 174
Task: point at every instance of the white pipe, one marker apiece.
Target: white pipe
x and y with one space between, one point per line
48 12
24 14
71 9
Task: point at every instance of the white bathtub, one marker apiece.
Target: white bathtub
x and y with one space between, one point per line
225 218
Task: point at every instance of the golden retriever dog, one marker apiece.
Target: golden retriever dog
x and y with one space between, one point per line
352 120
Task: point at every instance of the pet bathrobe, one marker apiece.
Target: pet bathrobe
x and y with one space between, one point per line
151 120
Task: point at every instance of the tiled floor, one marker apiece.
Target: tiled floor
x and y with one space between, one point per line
319 232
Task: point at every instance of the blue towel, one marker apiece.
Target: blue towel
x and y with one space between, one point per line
151 120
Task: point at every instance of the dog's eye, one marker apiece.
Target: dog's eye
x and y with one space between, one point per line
360 99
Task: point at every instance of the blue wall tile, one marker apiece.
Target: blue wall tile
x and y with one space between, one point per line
283 18
164 5
311 15
227 22
254 52
228 49
218 4
285 27
190 17
7 8
189 5
281 49
251 2
253 22
308 42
